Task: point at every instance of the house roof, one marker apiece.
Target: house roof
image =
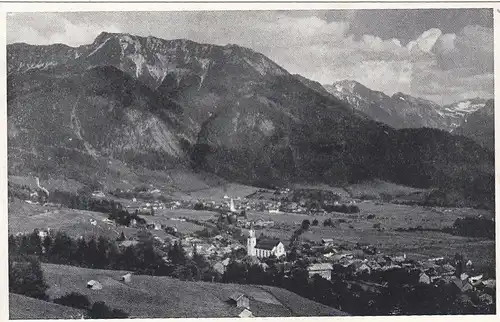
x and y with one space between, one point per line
245 314
267 244
236 296
320 267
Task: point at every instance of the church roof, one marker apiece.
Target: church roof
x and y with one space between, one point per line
267 244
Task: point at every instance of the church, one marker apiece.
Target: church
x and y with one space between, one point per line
264 248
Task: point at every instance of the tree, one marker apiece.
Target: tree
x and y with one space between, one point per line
47 244
315 222
102 259
91 253
328 222
12 245
80 257
305 224
62 249
235 273
177 255
26 278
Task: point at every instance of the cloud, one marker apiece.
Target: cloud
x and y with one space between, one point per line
320 45
471 48
50 28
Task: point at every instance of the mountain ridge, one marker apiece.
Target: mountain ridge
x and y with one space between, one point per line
401 110
232 112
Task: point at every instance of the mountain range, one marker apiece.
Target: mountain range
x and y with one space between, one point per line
404 111
228 110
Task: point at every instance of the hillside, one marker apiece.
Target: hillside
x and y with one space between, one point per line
227 110
480 126
27 308
145 296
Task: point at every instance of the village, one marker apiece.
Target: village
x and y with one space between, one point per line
229 233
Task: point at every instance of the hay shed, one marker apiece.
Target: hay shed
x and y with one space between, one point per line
94 285
127 278
246 314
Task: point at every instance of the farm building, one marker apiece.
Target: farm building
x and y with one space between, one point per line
324 270
424 278
240 300
127 278
94 285
245 314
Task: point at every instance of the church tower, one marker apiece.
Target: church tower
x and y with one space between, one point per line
251 242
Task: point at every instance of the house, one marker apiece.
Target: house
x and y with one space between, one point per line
323 269
219 268
462 285
364 268
128 243
245 314
374 265
491 283
424 278
42 234
447 269
327 241
127 278
226 262
240 300
474 280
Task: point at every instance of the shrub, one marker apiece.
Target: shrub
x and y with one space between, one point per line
75 300
199 206
328 222
100 310
315 222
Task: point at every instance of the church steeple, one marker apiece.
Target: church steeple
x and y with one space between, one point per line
251 241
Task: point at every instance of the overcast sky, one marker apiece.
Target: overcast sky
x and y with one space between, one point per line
442 55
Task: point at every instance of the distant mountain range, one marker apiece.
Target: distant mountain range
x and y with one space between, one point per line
401 110
480 126
225 109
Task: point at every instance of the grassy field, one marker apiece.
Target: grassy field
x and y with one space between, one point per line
154 297
27 308
357 228
24 218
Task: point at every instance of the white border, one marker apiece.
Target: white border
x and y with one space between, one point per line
194 5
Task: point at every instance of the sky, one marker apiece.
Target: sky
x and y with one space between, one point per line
444 55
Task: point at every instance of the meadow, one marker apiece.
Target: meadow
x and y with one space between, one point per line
158 296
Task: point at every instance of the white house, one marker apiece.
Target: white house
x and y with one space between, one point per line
264 247
323 269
